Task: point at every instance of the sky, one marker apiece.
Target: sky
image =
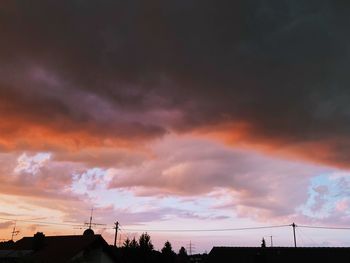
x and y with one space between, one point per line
176 115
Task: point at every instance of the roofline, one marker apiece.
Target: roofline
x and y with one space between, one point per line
63 236
291 247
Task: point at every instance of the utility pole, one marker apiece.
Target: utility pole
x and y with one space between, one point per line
116 233
295 240
271 241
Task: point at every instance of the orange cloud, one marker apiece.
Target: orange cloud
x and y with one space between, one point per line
20 134
328 152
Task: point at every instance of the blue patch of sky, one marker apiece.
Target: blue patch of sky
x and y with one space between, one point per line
322 204
31 164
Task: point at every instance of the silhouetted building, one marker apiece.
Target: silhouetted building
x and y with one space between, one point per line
59 249
197 258
278 254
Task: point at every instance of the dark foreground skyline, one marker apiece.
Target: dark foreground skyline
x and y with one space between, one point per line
176 114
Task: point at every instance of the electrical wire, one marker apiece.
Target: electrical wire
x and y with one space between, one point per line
324 227
204 230
301 234
41 222
177 230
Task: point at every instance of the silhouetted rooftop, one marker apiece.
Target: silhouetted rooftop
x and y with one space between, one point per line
279 254
61 248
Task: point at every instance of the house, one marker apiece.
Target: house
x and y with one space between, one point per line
279 254
88 248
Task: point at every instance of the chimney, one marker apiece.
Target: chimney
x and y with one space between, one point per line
38 241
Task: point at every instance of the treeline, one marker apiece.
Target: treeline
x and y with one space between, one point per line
6 244
142 251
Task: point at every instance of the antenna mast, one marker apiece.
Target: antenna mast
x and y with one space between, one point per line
14 231
91 218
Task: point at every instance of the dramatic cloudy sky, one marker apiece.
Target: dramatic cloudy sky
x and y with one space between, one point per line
176 114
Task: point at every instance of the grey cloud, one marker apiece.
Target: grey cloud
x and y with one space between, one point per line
129 217
280 66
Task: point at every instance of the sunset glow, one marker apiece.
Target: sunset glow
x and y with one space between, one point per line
175 115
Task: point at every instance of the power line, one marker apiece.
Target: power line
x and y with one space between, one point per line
177 230
205 230
325 227
41 222
313 242
300 237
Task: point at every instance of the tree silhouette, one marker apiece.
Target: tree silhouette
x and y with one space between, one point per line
146 248
126 243
182 256
167 249
6 244
145 242
129 252
167 253
183 252
133 243
263 243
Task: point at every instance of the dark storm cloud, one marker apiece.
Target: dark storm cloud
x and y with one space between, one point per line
107 67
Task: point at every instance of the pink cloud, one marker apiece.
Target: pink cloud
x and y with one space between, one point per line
234 183
188 166
342 205
6 225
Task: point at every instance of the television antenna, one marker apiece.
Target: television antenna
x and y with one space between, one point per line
91 224
14 231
